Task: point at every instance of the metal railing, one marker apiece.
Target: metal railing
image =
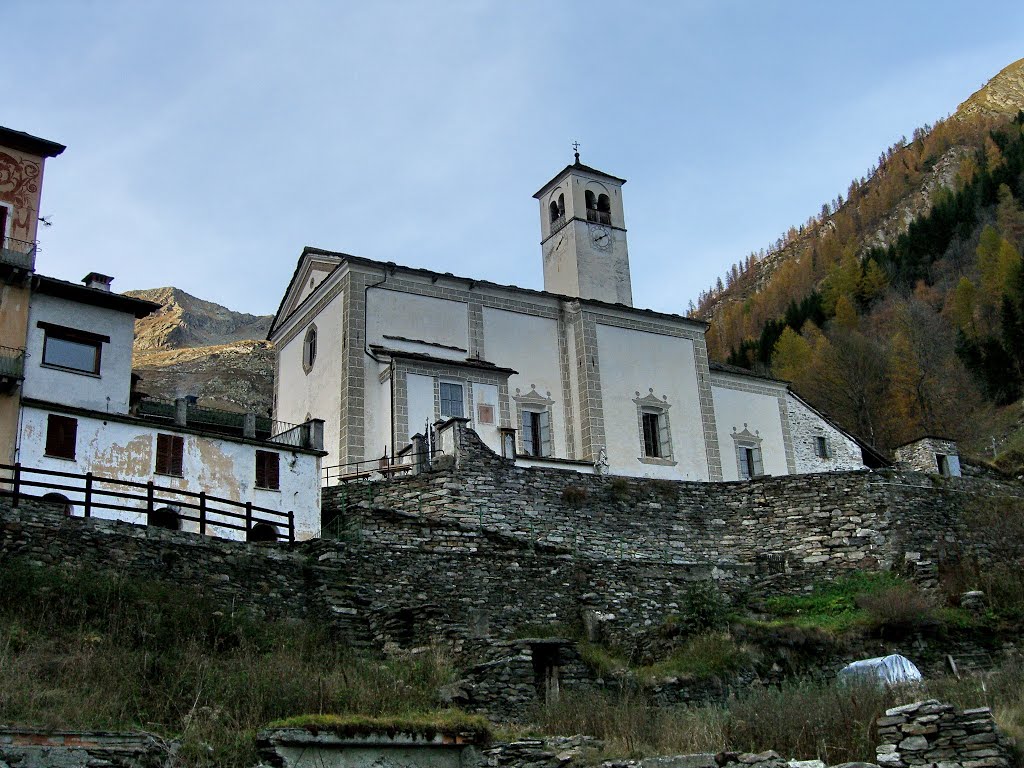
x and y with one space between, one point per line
97 492
602 217
18 253
12 363
228 423
374 469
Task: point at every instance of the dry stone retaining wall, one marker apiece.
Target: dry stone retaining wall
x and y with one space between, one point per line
935 734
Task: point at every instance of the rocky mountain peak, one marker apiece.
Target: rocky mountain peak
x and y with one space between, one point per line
185 321
1002 95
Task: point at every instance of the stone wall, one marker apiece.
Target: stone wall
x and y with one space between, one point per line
931 733
921 455
44 748
786 531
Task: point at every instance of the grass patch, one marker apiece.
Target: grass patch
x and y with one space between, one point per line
94 650
447 722
858 601
703 656
604 661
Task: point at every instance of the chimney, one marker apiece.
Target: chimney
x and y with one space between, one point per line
98 281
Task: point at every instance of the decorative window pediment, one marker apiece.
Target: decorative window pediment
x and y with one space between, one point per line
749 461
655 430
534 419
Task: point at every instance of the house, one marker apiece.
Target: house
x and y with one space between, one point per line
573 376
22 158
85 438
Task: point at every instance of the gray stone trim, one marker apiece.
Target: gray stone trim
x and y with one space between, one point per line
787 436
649 326
566 377
746 439
589 365
299 324
464 376
476 330
352 433
471 297
707 411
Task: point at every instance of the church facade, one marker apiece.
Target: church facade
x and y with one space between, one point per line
572 376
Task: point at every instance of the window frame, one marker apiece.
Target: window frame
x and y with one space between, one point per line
67 428
442 399
749 456
650 409
170 453
536 439
309 348
268 473
822 448
52 331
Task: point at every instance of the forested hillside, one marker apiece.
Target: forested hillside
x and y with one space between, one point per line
900 310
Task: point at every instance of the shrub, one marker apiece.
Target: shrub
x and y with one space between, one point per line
709 655
703 607
574 495
901 608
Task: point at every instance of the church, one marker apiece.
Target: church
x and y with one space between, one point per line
573 376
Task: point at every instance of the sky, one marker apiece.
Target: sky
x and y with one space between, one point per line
208 142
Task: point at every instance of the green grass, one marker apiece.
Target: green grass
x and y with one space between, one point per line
843 605
700 657
446 722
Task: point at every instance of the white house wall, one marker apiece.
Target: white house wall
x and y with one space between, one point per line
221 467
635 361
806 425
107 392
760 412
421 318
300 395
487 394
529 345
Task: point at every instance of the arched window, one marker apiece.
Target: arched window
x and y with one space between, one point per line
309 349
604 209
262 532
557 208
164 517
554 210
591 200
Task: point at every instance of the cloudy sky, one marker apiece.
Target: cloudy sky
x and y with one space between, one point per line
209 141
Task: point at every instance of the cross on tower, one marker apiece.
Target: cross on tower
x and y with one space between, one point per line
576 150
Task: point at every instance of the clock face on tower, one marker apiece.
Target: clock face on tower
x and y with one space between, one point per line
600 236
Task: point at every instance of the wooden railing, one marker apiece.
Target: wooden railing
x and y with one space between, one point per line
94 492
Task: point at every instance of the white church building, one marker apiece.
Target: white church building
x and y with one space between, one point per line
572 376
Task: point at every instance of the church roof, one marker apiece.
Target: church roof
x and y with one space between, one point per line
391 266
577 166
467 362
735 369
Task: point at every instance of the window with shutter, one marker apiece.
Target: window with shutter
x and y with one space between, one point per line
743 459
451 400
652 435
821 447
170 452
536 433
268 470
544 424
61 436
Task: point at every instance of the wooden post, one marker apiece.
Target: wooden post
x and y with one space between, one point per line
88 494
291 525
17 484
149 497
248 519
202 513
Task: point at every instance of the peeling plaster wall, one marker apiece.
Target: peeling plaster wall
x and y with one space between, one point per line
220 467
106 392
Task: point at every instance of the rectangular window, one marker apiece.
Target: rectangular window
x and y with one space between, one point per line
268 473
821 448
71 349
943 463
652 432
3 226
170 450
537 433
61 436
451 400
750 464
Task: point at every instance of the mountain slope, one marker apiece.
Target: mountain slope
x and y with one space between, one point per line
197 347
899 308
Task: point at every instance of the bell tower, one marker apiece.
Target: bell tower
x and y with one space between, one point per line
583 235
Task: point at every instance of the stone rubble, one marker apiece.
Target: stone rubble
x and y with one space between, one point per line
935 734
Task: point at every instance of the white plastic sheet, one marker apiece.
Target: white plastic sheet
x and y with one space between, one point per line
885 670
